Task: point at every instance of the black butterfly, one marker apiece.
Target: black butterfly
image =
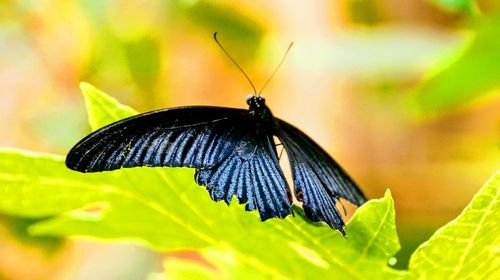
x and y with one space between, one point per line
234 154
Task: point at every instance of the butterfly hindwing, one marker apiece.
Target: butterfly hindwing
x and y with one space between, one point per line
319 181
197 137
252 173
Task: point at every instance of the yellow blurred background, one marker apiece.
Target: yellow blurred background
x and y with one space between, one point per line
360 79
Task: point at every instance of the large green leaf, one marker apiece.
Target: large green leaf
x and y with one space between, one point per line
164 208
146 205
469 246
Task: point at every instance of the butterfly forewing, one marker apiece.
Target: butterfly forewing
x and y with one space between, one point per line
197 137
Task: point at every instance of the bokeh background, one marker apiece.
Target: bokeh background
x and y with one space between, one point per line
404 94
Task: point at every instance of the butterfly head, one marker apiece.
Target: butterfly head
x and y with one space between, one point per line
255 101
258 109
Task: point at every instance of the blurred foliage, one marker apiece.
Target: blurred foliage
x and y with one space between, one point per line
471 73
143 58
166 210
214 17
125 45
364 12
18 227
468 6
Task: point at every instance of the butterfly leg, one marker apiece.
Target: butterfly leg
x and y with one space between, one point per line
343 207
281 151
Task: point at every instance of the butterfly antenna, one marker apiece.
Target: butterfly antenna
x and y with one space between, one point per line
276 69
235 63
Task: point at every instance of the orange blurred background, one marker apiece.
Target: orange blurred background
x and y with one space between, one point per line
350 82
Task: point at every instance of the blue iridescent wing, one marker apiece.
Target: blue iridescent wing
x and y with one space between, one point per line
319 180
199 137
252 174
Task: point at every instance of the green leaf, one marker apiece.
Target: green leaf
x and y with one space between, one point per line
164 208
469 246
186 269
103 109
471 74
144 204
36 185
315 252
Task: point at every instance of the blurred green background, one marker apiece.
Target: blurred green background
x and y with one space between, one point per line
404 94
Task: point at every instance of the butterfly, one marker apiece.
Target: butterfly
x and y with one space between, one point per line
234 153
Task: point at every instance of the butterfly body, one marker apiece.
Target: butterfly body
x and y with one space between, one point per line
259 114
234 154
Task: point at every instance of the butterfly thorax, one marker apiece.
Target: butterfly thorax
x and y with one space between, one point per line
259 113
